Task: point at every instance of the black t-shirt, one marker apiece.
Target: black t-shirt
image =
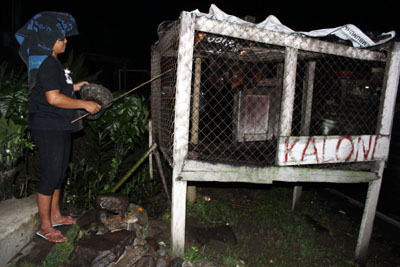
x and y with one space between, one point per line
43 116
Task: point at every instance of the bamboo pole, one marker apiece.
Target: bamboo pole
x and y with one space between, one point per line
134 167
124 94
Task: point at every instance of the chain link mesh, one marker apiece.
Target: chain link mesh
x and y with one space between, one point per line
238 100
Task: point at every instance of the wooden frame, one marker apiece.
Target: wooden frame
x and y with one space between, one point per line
192 170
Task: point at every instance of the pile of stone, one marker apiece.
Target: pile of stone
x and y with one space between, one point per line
117 233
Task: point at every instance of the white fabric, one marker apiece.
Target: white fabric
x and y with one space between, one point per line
272 23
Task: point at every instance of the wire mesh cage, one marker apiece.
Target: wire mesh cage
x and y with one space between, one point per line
239 103
238 99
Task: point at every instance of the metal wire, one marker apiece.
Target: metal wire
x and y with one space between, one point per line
237 99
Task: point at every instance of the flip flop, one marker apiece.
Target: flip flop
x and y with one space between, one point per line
52 236
67 221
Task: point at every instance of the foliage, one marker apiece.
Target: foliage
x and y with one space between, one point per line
192 254
116 137
82 185
140 185
12 143
124 124
15 140
14 95
126 121
78 70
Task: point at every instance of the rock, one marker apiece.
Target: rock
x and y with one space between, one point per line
204 263
130 256
163 259
146 261
187 263
161 262
152 243
102 216
136 211
140 242
113 223
136 219
176 262
149 259
87 218
95 228
101 250
115 203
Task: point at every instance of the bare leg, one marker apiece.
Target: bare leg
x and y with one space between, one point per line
55 207
56 216
44 203
44 206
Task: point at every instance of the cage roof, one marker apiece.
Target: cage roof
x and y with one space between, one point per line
348 32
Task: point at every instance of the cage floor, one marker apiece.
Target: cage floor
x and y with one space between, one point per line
253 153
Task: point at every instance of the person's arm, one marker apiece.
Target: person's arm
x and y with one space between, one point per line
77 86
55 98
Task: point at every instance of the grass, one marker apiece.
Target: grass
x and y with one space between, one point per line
269 233
60 252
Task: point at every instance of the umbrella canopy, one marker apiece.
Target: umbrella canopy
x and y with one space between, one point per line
38 36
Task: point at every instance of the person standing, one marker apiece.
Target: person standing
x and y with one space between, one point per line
52 107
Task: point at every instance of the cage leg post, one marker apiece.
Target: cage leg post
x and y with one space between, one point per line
178 212
288 99
194 136
306 108
161 171
191 194
296 197
368 217
181 131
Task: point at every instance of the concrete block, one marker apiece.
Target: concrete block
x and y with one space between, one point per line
19 220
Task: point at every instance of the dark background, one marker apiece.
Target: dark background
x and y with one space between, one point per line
127 29
117 35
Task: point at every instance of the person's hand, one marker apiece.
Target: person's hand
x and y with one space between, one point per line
77 86
92 107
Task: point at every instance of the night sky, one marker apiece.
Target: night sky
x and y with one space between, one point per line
127 29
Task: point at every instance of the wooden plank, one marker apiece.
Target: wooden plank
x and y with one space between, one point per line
368 217
194 138
390 86
296 41
289 84
300 150
181 131
201 171
306 107
391 83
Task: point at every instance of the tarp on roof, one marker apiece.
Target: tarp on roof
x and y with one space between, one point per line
346 32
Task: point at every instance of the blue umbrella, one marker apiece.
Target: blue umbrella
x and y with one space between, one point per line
38 36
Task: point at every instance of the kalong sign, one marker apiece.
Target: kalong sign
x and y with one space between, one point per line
300 150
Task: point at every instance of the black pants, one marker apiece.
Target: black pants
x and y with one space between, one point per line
54 152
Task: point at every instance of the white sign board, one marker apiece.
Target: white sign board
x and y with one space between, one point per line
301 150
